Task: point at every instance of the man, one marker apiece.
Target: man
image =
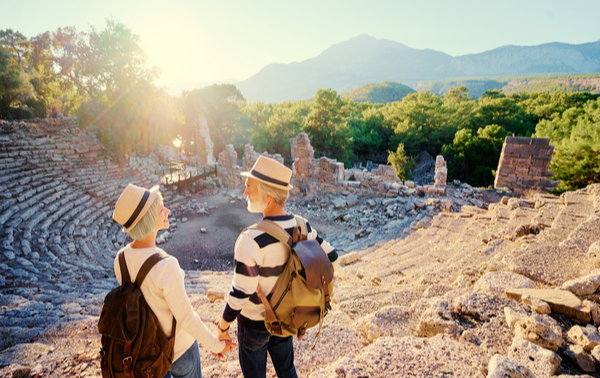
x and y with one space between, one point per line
260 259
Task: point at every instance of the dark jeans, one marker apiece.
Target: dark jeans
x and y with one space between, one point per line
253 346
188 365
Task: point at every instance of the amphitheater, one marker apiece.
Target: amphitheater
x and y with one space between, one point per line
504 289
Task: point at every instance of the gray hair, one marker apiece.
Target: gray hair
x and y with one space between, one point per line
147 224
278 195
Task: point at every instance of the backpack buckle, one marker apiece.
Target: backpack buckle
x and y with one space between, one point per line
276 328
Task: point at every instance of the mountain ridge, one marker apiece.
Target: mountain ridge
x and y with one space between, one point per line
365 60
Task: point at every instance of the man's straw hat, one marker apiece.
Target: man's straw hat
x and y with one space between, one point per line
133 204
270 172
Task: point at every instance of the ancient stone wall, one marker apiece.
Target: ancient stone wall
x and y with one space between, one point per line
228 169
250 157
524 164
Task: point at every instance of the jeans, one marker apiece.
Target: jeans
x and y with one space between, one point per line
253 346
188 365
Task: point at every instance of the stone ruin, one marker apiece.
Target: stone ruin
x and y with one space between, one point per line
324 175
204 144
441 174
524 164
228 169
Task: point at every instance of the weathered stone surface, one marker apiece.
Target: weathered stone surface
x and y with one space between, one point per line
418 357
560 301
594 311
541 330
581 358
542 362
536 304
587 284
498 282
512 317
586 337
596 353
436 319
349 258
502 367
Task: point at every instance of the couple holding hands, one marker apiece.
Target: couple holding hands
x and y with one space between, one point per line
259 260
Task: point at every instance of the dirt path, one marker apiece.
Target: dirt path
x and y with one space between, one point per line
214 249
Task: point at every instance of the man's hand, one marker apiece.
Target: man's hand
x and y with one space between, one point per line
229 345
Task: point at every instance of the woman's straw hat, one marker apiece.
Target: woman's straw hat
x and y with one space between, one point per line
133 204
270 172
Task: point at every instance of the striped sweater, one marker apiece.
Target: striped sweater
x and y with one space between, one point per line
260 258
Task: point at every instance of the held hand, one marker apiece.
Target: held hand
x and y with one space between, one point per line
229 345
223 335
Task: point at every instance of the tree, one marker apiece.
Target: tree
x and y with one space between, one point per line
328 130
401 163
474 158
15 88
220 104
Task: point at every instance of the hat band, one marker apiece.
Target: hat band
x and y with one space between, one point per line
138 209
268 179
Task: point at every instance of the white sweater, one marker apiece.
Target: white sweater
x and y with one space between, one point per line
164 291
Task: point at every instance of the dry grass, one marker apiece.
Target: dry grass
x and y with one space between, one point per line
531 193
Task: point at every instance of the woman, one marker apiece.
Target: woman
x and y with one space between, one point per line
142 214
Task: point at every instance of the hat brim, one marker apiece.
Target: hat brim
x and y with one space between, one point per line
250 175
153 193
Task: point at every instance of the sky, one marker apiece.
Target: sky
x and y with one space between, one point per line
199 42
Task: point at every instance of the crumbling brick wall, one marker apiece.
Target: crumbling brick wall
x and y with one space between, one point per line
524 164
441 175
305 166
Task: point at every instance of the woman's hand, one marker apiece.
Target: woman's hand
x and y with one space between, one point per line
229 345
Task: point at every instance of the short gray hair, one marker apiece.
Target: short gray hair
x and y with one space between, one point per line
278 195
147 224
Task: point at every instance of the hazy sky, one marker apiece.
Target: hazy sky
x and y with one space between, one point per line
203 41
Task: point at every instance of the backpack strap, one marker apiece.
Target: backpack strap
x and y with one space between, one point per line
147 266
274 230
302 226
143 272
125 277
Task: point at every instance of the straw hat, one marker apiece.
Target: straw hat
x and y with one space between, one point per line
133 204
270 172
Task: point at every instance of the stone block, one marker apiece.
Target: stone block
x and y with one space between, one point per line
542 362
560 301
502 367
586 337
581 358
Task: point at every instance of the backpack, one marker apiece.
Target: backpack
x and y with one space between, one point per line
133 342
302 294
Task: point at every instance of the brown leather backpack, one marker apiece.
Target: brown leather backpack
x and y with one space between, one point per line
302 294
133 341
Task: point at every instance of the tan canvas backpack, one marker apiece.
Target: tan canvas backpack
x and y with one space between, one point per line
301 297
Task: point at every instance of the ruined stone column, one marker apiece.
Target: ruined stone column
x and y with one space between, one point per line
204 146
302 154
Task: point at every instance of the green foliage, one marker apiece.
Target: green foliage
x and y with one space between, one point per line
401 163
220 105
576 136
385 92
328 130
15 88
473 158
275 124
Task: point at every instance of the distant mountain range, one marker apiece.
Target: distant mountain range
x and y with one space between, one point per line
365 60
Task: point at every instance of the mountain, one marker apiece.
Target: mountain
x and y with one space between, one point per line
343 67
385 92
365 59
